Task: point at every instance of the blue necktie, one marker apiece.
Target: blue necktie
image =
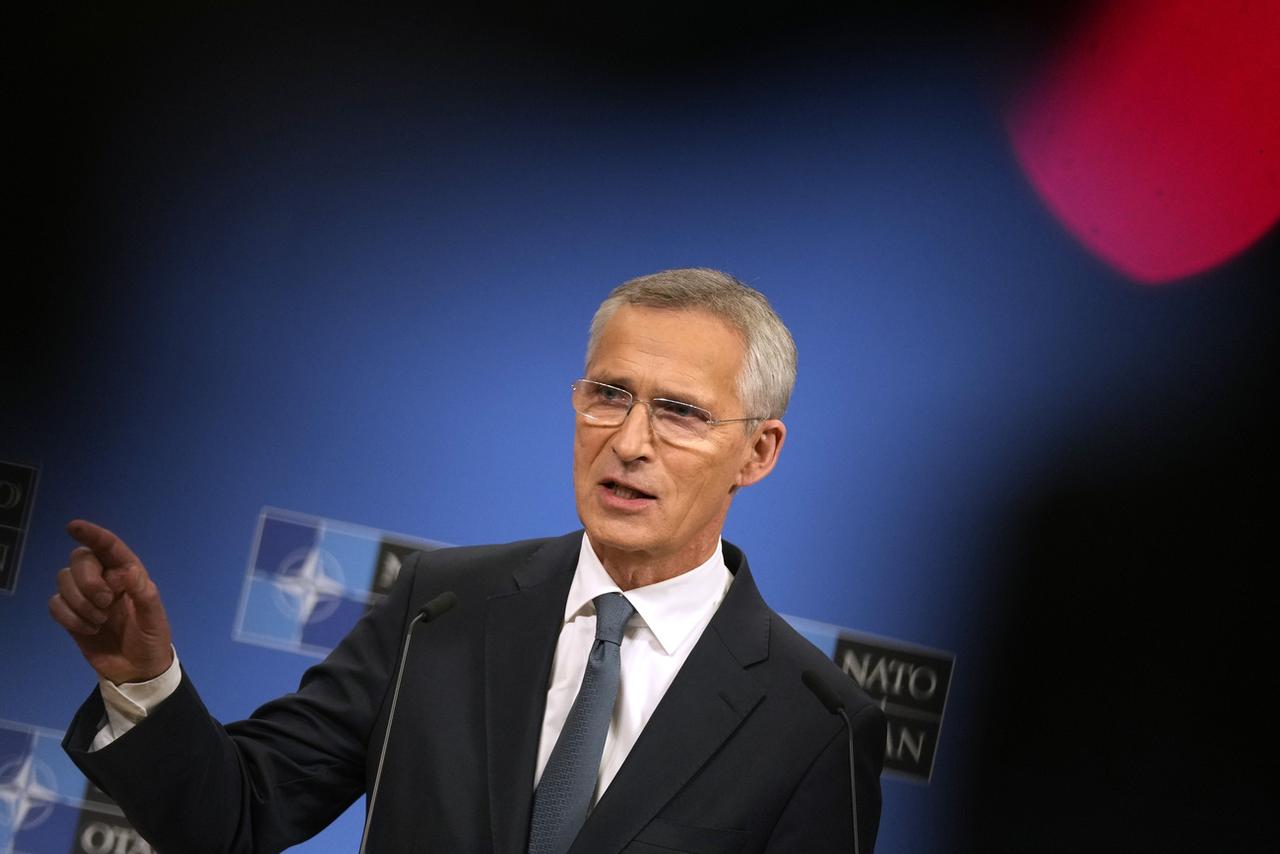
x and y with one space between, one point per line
563 797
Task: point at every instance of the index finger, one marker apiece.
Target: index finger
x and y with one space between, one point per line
108 548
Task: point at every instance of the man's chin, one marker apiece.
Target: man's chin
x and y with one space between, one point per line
620 538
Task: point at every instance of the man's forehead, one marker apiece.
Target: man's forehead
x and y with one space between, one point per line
659 322
671 348
668 331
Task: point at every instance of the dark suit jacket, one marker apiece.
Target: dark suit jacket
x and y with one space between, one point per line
738 756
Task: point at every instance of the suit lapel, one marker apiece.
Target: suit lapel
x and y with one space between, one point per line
521 629
707 701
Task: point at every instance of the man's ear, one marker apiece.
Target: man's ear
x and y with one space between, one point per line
766 444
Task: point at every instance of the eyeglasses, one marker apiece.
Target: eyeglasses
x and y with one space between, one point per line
679 423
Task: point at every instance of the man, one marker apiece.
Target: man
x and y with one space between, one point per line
623 691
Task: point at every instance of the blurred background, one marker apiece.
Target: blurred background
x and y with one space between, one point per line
341 260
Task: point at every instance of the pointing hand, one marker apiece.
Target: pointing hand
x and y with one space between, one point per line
111 607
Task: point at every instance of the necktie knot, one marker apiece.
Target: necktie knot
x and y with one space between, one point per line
612 612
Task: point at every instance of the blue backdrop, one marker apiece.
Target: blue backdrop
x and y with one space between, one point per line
346 268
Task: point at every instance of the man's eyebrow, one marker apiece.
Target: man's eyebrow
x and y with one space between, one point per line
610 379
681 397
624 382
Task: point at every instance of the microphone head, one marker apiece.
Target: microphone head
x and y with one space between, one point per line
823 691
437 606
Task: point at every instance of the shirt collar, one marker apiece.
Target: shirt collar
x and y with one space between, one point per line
671 609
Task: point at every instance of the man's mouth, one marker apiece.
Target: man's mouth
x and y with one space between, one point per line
623 491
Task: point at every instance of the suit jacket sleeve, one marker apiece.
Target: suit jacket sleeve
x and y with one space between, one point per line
189 784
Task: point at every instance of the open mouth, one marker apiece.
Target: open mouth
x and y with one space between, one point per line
622 491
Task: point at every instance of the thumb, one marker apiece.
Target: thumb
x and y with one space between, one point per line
134 582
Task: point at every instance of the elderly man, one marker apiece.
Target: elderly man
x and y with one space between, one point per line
622 689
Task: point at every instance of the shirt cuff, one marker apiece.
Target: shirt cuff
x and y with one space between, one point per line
129 703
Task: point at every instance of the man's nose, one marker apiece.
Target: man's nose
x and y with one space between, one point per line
635 435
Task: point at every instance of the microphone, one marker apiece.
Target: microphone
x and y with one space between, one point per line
428 612
829 698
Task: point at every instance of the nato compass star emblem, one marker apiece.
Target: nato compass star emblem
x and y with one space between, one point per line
28 792
310 579
309 585
46 804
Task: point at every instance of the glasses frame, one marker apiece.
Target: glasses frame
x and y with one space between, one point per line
703 414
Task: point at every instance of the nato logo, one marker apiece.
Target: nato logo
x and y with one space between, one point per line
47 806
910 683
17 494
309 579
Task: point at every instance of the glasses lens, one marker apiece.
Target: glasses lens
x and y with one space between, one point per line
603 404
679 422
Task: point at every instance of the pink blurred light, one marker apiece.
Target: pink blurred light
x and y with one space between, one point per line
1153 134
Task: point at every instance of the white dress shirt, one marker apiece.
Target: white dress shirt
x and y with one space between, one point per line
129 703
670 617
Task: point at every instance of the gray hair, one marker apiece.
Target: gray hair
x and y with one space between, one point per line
769 367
